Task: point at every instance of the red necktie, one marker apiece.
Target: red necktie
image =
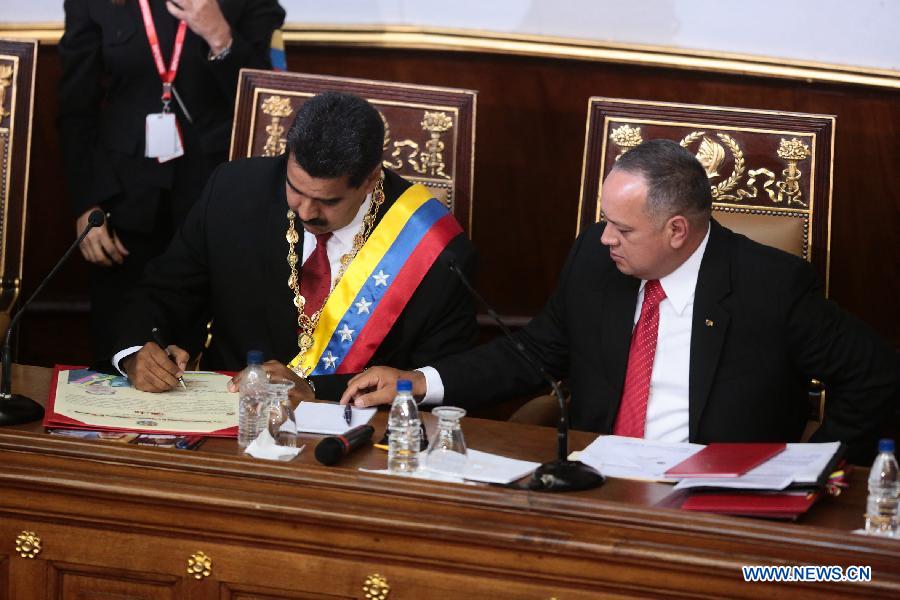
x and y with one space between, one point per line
632 415
315 279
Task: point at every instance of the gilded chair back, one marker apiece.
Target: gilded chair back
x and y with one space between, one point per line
17 70
429 131
769 172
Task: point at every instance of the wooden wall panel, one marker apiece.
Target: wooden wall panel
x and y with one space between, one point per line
530 137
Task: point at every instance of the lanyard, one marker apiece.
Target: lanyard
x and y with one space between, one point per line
167 76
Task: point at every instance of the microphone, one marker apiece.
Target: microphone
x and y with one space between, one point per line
561 474
332 449
16 409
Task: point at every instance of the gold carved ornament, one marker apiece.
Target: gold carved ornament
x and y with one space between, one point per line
306 324
199 565
626 137
28 544
429 161
277 107
6 73
376 587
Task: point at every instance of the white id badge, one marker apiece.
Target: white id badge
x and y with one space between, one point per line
179 147
161 136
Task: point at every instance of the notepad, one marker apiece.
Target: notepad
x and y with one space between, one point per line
328 418
725 460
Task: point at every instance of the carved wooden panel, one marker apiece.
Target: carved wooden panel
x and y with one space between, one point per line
17 70
769 172
109 583
429 131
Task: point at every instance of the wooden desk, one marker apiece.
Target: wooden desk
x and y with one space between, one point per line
117 522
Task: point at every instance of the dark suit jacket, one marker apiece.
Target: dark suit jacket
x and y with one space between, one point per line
228 262
110 84
772 332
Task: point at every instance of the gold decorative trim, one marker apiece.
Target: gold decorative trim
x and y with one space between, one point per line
376 587
28 544
199 565
468 40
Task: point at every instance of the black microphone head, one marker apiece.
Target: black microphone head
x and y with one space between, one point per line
96 218
329 451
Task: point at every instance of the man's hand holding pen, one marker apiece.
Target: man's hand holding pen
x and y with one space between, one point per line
151 370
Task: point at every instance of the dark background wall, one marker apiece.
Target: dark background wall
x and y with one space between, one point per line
530 137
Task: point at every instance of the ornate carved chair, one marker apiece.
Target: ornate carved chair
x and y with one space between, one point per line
429 131
17 69
770 174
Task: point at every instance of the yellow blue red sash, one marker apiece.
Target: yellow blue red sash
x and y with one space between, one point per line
379 282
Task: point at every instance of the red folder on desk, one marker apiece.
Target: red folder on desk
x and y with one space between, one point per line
53 419
725 460
782 505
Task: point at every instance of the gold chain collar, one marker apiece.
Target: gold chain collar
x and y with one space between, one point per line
306 324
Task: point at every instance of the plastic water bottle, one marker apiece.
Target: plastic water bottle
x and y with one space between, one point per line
405 439
884 491
253 399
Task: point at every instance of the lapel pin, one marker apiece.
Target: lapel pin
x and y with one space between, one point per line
709 323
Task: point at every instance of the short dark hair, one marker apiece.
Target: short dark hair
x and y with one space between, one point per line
336 134
676 181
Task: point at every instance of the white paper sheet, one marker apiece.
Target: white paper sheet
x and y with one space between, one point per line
634 458
480 466
327 418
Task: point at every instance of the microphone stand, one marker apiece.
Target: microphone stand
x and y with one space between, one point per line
16 409
561 474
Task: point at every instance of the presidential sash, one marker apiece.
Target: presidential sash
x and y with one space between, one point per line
379 282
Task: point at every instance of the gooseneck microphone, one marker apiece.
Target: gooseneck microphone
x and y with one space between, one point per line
16 409
561 474
332 449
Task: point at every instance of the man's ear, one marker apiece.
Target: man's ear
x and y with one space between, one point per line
372 179
679 229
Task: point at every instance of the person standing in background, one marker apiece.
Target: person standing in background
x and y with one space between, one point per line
113 78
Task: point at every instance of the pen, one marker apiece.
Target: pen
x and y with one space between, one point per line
348 413
158 339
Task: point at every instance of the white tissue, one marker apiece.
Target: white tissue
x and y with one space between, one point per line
264 446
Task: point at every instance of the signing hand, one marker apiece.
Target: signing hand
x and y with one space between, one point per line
273 368
99 246
378 385
205 19
151 370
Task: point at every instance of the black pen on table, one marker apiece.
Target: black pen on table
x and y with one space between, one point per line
348 413
158 339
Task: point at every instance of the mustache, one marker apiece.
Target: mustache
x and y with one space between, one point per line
315 222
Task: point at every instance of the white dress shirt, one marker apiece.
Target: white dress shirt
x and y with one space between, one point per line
338 245
667 404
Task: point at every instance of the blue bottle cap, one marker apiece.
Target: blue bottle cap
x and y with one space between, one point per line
404 385
254 357
885 445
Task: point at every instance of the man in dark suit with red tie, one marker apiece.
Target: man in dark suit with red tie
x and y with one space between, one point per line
671 327
320 258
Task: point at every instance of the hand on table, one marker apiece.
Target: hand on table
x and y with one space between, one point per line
378 385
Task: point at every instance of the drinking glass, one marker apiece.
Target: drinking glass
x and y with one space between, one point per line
281 420
447 451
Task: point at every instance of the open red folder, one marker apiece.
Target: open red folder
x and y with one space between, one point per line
725 460
52 419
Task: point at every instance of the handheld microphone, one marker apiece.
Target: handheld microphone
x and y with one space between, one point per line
561 474
16 409
332 449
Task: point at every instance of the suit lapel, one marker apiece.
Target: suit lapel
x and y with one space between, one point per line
617 327
710 322
281 313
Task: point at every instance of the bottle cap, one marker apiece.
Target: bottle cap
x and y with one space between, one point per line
885 445
404 385
254 357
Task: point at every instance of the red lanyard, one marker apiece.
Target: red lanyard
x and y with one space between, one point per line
167 77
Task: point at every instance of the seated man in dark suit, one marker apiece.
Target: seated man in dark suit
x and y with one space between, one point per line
671 327
320 258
